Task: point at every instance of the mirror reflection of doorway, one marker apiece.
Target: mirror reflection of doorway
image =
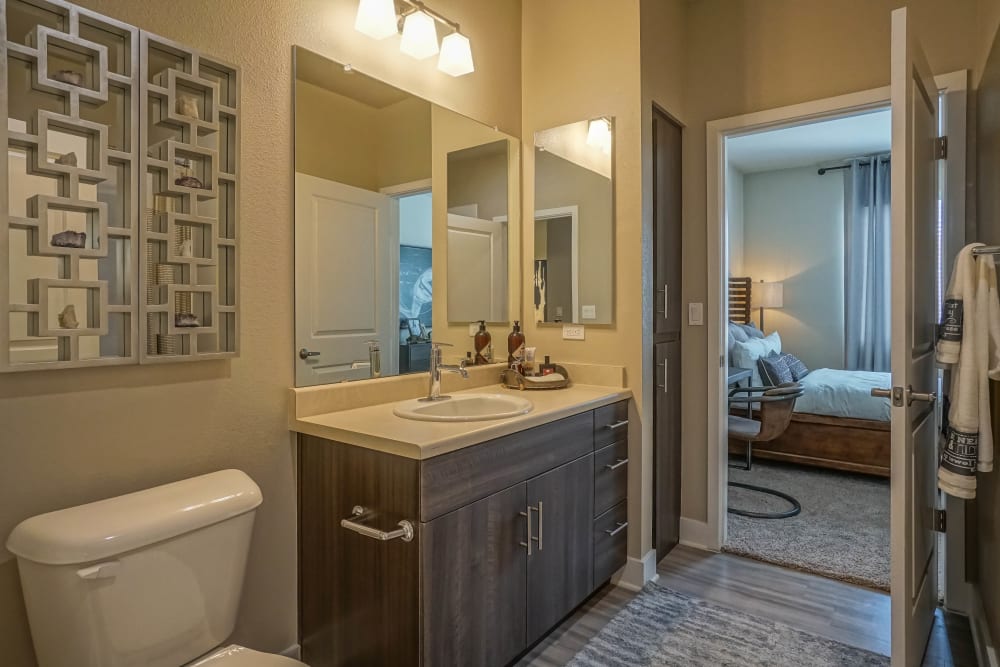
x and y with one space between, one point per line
557 260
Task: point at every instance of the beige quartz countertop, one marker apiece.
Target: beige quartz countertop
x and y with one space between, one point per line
376 427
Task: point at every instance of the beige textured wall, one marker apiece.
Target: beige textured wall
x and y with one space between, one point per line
70 437
748 56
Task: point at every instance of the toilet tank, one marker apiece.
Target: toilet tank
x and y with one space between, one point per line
149 578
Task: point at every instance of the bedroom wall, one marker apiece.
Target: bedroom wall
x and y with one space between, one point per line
793 225
734 221
751 55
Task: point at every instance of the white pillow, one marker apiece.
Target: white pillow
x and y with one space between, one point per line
745 355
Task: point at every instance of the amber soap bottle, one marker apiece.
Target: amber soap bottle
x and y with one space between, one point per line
515 348
483 341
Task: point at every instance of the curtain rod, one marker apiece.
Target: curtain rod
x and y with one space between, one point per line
823 170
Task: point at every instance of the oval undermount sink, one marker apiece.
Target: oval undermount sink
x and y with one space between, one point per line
464 408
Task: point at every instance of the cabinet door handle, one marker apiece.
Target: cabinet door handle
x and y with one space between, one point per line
622 525
617 425
527 515
664 385
617 464
541 524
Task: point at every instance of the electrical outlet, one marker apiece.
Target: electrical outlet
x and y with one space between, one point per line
696 314
588 312
573 332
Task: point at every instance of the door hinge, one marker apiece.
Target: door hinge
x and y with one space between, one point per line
941 148
722 361
940 521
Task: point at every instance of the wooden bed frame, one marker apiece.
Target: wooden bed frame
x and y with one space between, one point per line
839 443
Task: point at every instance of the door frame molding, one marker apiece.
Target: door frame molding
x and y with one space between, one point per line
955 86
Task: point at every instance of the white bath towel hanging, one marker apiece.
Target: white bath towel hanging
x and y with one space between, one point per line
969 341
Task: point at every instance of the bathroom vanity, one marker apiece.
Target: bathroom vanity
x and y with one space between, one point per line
456 551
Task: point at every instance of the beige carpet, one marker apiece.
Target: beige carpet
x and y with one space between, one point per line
842 532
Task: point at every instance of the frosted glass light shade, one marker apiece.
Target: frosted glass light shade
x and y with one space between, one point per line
599 135
767 295
419 36
456 55
376 18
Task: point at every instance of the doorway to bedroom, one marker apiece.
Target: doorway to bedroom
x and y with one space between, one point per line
808 242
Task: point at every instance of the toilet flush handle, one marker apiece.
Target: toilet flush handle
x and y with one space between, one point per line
100 571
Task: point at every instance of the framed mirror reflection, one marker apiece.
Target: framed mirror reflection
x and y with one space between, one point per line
406 226
574 227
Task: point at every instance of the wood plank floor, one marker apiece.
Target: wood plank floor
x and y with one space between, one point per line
824 607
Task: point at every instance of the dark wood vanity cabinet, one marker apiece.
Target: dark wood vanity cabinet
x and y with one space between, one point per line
510 536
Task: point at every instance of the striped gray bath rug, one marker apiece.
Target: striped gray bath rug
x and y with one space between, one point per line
663 628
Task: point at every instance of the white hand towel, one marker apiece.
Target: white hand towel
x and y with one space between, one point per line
968 340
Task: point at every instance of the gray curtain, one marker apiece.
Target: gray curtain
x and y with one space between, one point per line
867 264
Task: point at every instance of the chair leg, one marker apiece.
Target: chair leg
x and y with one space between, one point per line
796 505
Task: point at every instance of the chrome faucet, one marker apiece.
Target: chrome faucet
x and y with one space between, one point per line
434 390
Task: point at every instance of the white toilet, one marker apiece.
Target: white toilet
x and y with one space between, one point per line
151 578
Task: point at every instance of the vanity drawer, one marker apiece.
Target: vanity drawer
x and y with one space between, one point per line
610 424
610 542
610 476
454 480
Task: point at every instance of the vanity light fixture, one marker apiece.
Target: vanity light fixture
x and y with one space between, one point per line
599 134
419 33
376 18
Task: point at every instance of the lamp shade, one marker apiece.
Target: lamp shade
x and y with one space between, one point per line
767 295
376 18
419 36
456 55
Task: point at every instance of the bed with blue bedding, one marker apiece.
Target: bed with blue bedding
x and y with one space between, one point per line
836 393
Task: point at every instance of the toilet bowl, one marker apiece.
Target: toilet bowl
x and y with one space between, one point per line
152 578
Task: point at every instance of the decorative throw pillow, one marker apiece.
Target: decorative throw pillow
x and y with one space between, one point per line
737 333
774 370
745 355
752 331
798 369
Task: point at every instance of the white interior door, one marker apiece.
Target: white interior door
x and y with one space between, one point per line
914 314
346 280
477 269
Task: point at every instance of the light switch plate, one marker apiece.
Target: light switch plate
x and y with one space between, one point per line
696 314
573 332
588 312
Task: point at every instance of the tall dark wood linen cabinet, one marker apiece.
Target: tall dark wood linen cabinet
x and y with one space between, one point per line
667 319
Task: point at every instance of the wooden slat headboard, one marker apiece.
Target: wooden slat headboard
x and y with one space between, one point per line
739 300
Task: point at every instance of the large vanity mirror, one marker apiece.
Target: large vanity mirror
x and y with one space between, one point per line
406 226
574 226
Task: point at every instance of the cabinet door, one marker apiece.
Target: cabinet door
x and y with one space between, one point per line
474 576
561 563
667 448
667 314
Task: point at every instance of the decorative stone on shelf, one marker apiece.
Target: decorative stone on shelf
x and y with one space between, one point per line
187 105
187 248
67 159
69 76
67 318
70 239
186 320
189 182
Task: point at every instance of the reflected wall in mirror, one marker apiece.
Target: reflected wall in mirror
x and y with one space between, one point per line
574 223
380 174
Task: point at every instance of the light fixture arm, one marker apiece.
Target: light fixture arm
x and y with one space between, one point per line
418 5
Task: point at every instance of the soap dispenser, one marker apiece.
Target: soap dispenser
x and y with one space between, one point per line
515 348
483 343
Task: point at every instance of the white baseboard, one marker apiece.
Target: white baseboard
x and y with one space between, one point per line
637 572
697 534
986 650
294 651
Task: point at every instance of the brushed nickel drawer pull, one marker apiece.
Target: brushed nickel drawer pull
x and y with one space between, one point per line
617 425
541 523
616 465
404 531
527 515
622 525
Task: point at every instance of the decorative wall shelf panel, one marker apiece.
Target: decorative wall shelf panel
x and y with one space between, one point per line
118 222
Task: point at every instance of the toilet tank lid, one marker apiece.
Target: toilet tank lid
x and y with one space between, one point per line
116 525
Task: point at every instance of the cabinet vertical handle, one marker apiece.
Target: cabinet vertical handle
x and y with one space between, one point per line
527 515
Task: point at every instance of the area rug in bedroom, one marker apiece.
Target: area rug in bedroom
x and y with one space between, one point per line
663 628
842 532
